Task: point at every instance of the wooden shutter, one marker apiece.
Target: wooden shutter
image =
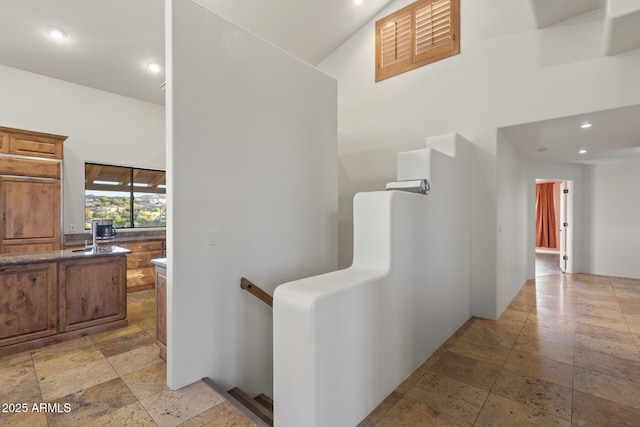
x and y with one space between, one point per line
433 34
394 41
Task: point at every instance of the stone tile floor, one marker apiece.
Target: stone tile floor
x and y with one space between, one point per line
111 379
565 352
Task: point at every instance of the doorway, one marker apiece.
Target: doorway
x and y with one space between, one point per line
553 234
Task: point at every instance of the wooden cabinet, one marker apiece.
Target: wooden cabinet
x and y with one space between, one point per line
161 311
28 303
69 295
91 292
35 144
140 271
4 142
30 195
29 214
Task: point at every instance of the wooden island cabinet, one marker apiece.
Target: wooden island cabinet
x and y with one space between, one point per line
49 297
91 292
28 302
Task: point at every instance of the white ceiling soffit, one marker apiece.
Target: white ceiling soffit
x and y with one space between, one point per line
621 26
308 29
549 12
621 19
614 134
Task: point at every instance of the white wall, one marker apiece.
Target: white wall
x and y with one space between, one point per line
613 198
508 72
252 158
512 219
101 127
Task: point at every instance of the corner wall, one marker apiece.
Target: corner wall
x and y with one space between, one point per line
252 192
512 219
613 199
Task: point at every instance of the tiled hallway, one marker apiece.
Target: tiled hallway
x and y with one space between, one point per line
564 353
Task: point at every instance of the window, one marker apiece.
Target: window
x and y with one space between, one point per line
132 197
416 35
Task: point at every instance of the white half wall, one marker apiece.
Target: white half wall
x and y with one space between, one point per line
613 198
252 176
343 341
101 127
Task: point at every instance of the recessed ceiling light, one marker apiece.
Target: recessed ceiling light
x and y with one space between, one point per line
582 151
586 125
153 67
357 2
56 33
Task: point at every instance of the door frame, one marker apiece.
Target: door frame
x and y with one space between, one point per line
569 230
566 231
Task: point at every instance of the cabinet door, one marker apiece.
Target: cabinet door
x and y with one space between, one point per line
161 311
30 210
28 302
92 292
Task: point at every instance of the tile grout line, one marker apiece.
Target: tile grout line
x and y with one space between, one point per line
501 368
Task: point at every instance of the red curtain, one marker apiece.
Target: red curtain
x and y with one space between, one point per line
545 216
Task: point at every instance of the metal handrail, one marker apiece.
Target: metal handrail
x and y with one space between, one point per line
256 291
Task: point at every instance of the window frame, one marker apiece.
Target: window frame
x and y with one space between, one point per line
132 190
414 61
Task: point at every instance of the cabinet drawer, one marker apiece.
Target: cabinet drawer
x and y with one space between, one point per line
142 259
27 167
140 277
13 248
144 246
35 145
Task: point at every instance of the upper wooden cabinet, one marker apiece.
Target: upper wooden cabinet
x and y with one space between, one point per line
28 143
30 194
4 142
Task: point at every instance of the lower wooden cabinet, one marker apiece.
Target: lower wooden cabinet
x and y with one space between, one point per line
28 302
161 311
140 271
91 292
48 302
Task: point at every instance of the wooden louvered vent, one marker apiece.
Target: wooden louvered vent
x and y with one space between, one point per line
423 32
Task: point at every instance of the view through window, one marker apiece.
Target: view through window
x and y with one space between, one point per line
132 197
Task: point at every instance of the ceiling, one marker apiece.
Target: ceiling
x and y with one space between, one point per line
110 43
613 134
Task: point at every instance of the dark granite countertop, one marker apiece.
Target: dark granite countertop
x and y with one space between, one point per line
58 256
